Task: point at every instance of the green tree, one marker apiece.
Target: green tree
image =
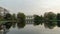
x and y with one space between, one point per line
14 18
8 16
37 20
21 17
49 16
58 18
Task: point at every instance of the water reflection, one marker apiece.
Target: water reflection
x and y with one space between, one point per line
58 23
20 25
50 24
14 24
4 28
38 23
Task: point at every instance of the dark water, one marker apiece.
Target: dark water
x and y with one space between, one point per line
18 28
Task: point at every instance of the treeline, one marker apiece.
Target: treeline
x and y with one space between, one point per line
6 16
47 17
19 17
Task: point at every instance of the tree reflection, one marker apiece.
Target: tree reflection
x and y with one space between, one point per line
50 24
20 25
8 25
58 23
14 24
0 27
4 28
38 23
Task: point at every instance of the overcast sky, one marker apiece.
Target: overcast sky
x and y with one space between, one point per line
30 7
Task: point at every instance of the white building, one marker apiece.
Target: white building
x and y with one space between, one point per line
3 11
29 19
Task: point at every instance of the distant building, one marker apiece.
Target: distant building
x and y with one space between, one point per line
29 19
3 11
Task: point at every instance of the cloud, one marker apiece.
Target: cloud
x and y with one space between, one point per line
30 7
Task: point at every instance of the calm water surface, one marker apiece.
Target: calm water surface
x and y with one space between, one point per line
31 29
21 28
